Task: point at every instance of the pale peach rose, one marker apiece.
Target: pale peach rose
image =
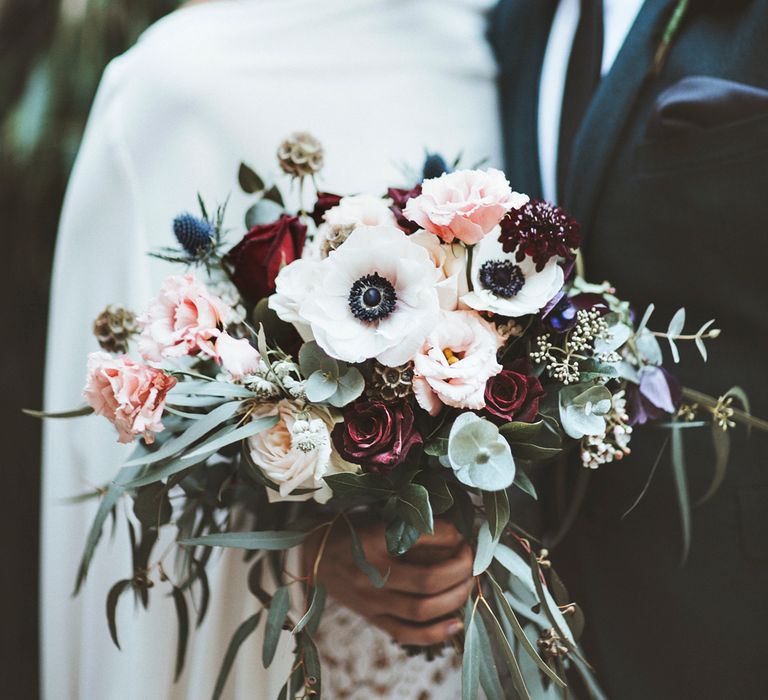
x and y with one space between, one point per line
237 356
457 361
184 319
130 395
451 261
297 452
464 204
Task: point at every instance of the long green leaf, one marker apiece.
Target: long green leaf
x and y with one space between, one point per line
210 388
312 669
314 611
112 597
278 611
489 673
241 634
358 555
517 629
681 489
271 540
486 546
470 666
195 432
242 433
524 483
509 655
400 537
182 613
721 440
496 511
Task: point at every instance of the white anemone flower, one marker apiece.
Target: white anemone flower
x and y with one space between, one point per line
374 297
293 285
504 286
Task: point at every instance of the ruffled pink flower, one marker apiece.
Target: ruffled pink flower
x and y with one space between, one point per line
237 357
457 361
184 319
130 395
465 204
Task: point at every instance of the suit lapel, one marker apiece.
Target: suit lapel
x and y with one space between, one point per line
521 43
613 103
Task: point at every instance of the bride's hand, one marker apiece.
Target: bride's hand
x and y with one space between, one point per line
424 590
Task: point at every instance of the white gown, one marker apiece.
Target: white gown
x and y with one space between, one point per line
377 81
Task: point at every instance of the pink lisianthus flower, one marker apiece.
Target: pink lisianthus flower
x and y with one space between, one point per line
130 395
184 319
456 362
463 205
237 356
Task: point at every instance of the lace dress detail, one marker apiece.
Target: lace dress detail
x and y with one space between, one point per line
361 662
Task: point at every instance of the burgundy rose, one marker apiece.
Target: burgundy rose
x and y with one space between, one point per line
514 394
264 250
399 199
376 435
325 201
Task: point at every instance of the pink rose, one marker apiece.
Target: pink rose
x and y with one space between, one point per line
457 361
238 357
130 395
184 319
465 204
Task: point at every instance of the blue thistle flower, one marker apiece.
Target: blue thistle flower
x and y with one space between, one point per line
434 166
194 234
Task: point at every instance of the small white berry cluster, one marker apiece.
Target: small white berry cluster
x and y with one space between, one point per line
614 444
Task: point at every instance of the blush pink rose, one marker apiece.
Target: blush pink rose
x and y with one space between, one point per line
457 361
464 204
130 395
238 357
184 319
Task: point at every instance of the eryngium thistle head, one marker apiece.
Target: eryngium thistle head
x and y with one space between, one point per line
391 383
194 234
114 328
541 231
434 166
300 155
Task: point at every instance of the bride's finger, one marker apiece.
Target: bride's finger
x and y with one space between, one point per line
418 635
430 579
418 608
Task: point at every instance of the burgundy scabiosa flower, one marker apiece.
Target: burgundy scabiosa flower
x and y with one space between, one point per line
514 393
540 230
376 435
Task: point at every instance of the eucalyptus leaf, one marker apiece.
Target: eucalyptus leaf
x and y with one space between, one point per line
677 323
648 347
74 413
489 673
253 427
312 358
262 212
314 610
112 597
249 181
180 603
350 386
486 547
509 655
320 387
681 490
272 540
496 511
644 320
721 441
312 667
358 556
673 349
276 616
470 666
479 455
241 634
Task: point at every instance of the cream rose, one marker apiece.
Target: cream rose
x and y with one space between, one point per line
297 452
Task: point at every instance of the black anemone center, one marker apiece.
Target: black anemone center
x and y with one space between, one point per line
372 298
502 277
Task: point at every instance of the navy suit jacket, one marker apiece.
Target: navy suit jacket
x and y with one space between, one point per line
669 179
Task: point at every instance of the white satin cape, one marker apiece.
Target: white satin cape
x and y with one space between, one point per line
378 81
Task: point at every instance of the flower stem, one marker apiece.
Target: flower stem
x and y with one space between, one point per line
738 415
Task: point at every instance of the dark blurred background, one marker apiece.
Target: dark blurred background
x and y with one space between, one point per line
52 53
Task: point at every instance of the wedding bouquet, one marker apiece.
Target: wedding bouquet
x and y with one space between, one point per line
417 355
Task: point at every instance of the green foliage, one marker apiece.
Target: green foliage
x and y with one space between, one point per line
241 634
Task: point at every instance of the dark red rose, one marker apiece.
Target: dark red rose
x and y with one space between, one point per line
399 200
264 250
376 435
514 394
325 201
